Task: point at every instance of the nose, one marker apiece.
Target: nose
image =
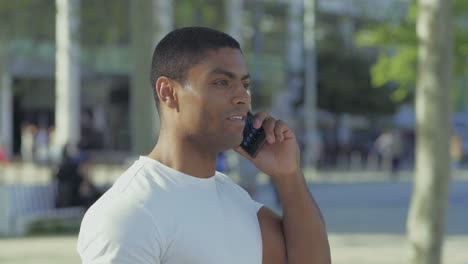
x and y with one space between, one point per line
242 96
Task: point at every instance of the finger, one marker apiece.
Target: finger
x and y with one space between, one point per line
289 134
269 127
280 129
259 118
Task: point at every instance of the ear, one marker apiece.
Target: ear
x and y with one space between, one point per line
167 92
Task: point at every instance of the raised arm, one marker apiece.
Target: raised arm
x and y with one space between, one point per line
299 236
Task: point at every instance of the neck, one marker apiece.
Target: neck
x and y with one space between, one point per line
179 153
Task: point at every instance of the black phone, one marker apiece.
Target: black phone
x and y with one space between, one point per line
253 138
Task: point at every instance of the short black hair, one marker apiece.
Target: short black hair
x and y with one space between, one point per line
183 48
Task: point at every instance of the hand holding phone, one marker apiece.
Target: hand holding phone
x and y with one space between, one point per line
253 138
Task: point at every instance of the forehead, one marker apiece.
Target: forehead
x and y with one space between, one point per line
228 59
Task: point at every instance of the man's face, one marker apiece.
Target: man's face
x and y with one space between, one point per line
215 100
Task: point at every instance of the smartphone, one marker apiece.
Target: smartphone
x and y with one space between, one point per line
253 138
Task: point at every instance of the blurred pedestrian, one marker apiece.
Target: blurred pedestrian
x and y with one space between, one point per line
383 146
74 187
54 148
390 148
3 155
41 143
456 150
222 164
88 192
28 133
68 181
397 151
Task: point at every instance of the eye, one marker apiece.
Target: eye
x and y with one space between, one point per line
247 85
221 82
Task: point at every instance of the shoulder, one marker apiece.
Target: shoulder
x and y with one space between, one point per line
118 218
126 209
121 228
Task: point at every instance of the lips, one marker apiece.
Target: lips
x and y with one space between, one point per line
237 116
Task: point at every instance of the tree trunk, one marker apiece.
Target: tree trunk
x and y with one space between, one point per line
426 220
150 21
67 73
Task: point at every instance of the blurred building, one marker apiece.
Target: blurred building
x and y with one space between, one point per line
105 92
104 95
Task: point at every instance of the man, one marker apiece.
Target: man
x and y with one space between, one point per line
172 206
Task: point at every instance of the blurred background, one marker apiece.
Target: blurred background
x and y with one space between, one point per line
76 109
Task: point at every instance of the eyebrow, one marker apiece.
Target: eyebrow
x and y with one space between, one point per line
229 74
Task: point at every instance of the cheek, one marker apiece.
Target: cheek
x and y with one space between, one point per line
197 113
204 111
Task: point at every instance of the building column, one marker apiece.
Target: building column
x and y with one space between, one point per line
311 135
6 110
234 10
151 20
67 73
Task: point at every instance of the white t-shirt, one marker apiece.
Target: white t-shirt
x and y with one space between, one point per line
155 214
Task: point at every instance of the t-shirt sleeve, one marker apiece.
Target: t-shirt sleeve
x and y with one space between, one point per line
124 234
256 205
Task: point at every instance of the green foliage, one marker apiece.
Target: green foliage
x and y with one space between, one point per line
57 226
208 13
344 80
344 85
397 42
27 19
400 67
102 22
105 22
398 53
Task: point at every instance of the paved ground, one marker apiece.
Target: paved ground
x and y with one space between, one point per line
346 249
388 249
366 222
375 207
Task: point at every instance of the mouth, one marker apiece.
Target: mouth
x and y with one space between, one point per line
234 118
238 118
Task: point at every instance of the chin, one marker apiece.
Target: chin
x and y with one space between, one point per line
238 139
233 142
